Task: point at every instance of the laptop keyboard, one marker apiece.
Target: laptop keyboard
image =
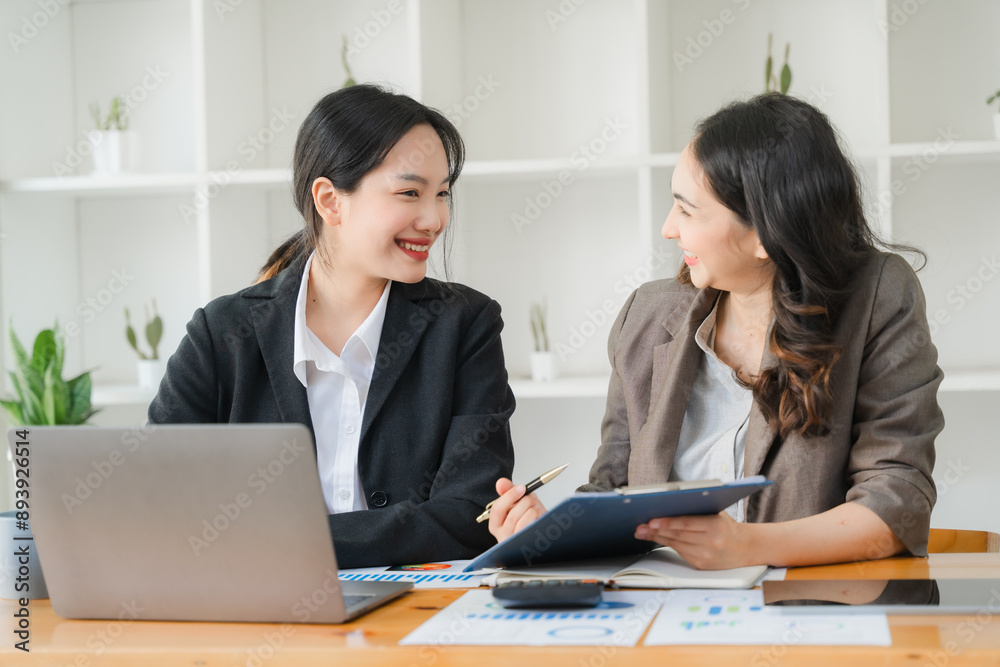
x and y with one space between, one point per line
352 601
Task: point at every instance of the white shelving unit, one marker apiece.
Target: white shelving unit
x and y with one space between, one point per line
598 94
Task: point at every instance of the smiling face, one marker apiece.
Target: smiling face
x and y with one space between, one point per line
720 251
386 227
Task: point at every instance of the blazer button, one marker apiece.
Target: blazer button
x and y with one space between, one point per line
379 499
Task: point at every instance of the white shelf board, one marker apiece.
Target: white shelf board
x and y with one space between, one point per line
95 185
185 182
268 177
147 184
589 386
499 169
107 395
968 379
962 150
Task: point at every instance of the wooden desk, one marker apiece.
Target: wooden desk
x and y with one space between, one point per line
372 640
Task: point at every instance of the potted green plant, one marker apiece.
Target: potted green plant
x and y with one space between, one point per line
115 146
43 397
995 97
772 84
149 367
543 365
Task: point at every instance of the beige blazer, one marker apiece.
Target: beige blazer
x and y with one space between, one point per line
880 449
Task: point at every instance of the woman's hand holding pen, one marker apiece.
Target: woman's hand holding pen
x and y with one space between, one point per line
513 510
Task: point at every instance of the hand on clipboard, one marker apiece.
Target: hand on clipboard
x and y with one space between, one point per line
599 525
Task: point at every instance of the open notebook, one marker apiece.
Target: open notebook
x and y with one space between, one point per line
660 568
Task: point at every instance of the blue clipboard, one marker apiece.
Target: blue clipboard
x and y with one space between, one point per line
599 525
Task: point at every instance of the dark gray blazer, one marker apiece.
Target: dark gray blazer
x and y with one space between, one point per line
880 450
434 435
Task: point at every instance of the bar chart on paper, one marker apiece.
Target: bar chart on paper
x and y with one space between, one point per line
740 617
477 619
447 574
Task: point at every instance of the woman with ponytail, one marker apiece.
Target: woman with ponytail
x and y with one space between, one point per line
789 346
399 377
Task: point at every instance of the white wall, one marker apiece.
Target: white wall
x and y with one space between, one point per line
557 85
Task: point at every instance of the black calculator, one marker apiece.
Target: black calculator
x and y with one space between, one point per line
536 593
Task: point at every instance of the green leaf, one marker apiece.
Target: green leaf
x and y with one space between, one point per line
60 354
17 387
31 405
130 335
45 350
15 416
79 404
49 399
60 398
34 410
154 332
786 78
767 74
31 378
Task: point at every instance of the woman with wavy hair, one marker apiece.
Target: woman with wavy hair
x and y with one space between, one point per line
789 346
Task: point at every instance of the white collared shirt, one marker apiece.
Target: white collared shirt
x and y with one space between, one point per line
714 431
337 387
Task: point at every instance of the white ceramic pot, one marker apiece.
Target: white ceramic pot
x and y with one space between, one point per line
543 366
115 151
150 372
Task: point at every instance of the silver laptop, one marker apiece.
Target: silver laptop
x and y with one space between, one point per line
188 523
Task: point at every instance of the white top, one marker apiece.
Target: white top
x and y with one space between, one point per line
714 431
337 388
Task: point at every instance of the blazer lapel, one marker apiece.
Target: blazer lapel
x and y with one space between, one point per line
675 364
399 340
274 322
760 433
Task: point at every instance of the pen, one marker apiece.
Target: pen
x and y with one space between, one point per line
544 478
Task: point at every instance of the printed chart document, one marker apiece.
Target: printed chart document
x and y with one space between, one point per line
477 619
740 617
660 568
445 574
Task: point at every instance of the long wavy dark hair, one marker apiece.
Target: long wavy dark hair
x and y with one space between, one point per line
347 135
776 163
